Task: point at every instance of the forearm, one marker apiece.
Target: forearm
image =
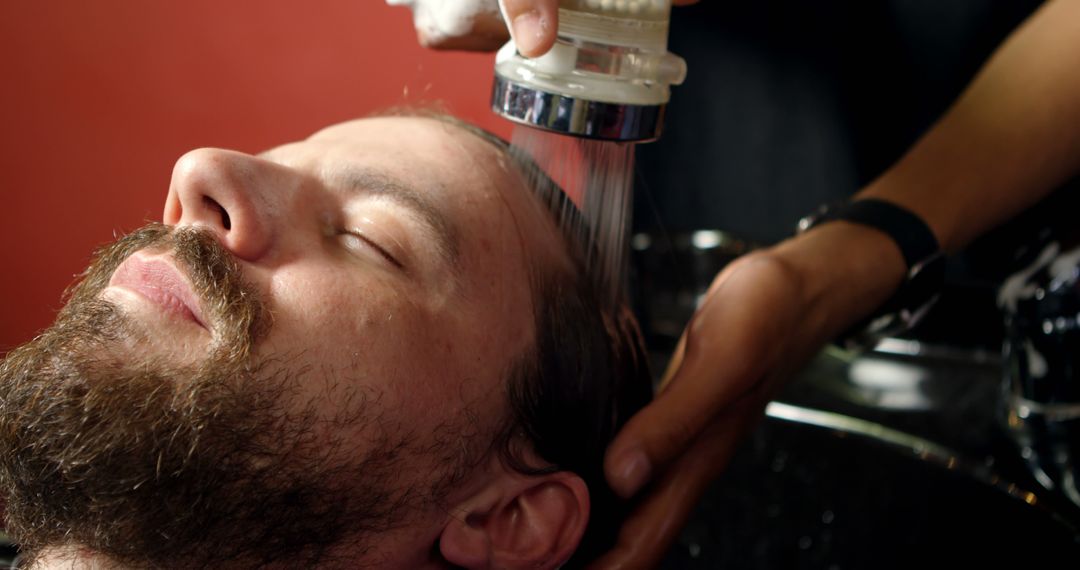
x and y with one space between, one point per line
1010 139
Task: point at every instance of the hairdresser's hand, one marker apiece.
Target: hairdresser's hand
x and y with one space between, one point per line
763 317
532 25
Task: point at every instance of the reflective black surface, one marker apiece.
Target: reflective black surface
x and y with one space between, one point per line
954 493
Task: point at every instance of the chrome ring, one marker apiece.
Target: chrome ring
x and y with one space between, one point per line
579 117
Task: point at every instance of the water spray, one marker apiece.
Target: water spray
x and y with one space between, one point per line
581 108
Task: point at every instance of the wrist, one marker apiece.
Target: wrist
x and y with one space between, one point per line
917 195
845 271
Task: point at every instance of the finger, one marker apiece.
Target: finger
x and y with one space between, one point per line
647 535
532 23
726 353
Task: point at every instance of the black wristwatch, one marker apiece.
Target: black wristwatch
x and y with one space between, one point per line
922 254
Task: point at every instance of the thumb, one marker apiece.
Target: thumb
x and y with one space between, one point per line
647 534
707 383
727 349
532 24
661 433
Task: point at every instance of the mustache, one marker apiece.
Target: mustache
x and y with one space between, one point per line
238 315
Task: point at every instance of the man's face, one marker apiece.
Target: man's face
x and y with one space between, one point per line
391 252
376 291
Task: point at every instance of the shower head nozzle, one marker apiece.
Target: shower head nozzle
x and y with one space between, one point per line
577 116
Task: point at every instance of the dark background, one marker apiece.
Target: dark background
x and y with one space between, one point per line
789 104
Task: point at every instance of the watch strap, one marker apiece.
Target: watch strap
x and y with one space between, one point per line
912 235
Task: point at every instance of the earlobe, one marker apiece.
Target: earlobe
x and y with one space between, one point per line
519 522
464 543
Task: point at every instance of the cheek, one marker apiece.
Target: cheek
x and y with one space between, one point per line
341 316
501 321
363 332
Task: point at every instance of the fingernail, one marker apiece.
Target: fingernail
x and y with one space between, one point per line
529 29
634 473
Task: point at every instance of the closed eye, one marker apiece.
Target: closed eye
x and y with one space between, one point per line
356 240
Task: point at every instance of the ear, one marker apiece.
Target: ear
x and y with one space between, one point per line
519 521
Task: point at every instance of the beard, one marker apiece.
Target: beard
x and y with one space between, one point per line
212 464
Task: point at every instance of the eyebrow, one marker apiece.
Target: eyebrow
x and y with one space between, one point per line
418 203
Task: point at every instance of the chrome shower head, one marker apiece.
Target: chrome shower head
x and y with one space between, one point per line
607 77
528 105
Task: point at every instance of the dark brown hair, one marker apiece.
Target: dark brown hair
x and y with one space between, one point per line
587 372
585 376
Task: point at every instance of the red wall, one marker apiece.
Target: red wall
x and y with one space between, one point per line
98 99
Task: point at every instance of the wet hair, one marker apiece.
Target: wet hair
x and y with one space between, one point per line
586 374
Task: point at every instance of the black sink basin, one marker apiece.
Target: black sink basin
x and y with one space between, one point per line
823 490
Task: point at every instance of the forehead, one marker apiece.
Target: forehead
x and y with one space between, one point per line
414 148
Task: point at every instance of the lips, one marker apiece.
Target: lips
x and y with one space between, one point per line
161 283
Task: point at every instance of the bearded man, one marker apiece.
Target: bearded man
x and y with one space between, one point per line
371 348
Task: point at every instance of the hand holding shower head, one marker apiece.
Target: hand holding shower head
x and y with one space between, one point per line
607 77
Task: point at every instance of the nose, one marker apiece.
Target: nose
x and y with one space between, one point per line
234 195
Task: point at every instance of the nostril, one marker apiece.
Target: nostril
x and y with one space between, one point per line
212 204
